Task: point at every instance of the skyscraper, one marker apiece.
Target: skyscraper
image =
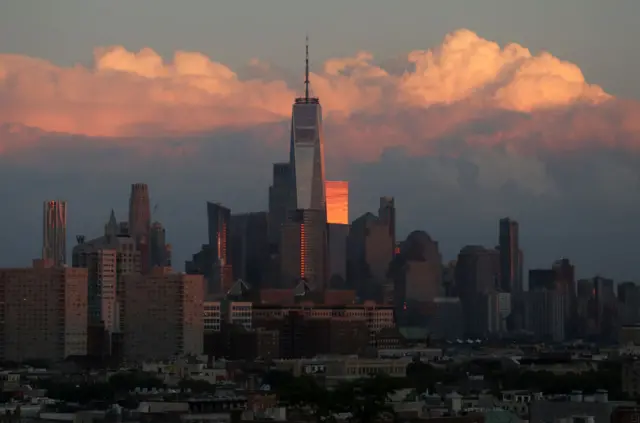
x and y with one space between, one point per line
387 214
159 250
140 222
139 211
307 151
304 234
218 221
337 193
54 232
279 200
510 257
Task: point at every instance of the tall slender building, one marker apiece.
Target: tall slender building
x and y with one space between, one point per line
510 257
218 221
337 193
139 211
304 233
387 214
279 200
54 232
307 150
140 222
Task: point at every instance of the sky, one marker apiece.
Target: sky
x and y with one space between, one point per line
466 112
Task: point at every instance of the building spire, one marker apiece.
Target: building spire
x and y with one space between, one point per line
306 72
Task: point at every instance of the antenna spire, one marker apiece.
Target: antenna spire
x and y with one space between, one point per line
306 71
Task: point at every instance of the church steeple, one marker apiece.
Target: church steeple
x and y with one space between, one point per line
111 228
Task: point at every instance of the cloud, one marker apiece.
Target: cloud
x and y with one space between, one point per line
462 134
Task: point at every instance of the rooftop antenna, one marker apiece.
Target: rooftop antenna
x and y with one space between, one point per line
306 72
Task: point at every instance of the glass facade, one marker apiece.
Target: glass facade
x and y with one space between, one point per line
307 156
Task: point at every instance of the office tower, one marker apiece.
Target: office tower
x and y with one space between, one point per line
477 271
304 249
54 232
140 221
510 257
250 247
545 314
417 270
44 312
218 220
304 234
369 253
307 151
164 315
279 200
338 230
159 249
94 255
387 213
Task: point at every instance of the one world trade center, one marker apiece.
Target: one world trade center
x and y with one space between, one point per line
304 233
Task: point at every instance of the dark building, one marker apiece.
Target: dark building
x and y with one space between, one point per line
279 200
629 300
510 257
477 270
218 224
303 254
542 280
249 247
387 214
370 250
417 278
160 250
139 224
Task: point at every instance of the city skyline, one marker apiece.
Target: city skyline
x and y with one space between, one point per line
509 132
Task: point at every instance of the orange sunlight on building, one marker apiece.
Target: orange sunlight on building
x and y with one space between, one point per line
337 194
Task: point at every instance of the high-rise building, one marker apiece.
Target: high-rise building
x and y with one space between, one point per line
338 230
304 247
159 249
95 255
303 252
510 257
279 200
44 312
387 214
140 221
337 202
164 314
369 254
307 151
250 247
218 222
54 232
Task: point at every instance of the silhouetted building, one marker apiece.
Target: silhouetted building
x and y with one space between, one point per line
477 270
250 247
160 250
369 253
387 214
510 257
140 222
338 231
545 314
54 232
417 277
279 200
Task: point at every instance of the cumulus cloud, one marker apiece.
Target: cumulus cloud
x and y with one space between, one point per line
462 134
464 79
